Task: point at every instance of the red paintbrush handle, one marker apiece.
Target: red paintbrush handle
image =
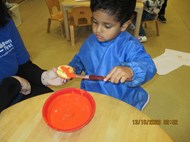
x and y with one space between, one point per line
95 77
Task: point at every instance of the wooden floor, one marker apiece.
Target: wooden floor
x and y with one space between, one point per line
169 94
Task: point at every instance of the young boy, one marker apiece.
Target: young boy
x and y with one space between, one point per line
112 52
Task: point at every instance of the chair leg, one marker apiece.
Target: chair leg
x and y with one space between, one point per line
72 35
157 28
62 29
145 24
49 24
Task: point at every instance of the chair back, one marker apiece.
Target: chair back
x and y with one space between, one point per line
82 16
53 6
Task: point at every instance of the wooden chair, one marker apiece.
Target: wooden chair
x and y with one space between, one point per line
155 21
55 14
81 16
145 23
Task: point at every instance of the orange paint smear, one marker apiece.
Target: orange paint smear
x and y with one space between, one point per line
68 71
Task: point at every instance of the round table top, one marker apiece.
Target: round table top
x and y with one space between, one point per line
114 121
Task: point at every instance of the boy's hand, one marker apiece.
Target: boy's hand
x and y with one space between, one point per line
119 74
25 85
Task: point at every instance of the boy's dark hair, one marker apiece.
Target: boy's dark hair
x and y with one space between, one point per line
121 9
5 14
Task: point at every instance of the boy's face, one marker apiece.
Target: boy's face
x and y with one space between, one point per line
105 27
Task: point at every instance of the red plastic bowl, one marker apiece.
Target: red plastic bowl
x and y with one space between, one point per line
69 109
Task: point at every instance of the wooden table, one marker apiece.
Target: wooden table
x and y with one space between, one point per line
67 4
113 122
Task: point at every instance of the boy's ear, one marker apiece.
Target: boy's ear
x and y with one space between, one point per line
125 25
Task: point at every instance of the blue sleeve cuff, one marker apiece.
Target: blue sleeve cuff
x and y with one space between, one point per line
139 74
76 63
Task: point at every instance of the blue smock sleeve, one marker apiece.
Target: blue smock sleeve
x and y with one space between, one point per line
141 64
78 60
77 64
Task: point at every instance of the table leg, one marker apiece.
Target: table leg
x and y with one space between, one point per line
138 21
66 24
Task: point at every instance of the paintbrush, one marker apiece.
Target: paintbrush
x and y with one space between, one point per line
67 72
89 77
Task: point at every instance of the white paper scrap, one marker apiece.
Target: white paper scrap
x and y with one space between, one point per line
171 60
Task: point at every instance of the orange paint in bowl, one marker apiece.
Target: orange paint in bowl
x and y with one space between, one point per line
69 109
